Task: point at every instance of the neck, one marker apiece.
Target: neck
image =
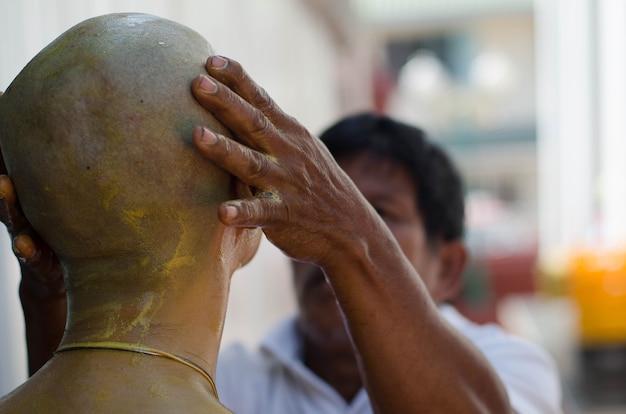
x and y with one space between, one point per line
110 379
182 313
142 350
336 365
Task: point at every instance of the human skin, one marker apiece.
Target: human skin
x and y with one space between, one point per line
328 350
409 358
42 290
117 191
402 343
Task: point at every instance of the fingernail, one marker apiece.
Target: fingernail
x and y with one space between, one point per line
19 255
208 137
218 62
25 245
207 85
22 249
231 212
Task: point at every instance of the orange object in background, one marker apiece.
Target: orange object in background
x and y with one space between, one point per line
597 283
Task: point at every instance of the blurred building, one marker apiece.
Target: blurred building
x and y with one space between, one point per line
465 72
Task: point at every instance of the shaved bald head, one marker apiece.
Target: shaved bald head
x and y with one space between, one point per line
96 135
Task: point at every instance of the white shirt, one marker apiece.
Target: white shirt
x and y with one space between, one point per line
273 379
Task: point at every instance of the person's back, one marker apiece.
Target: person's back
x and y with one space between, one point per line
96 134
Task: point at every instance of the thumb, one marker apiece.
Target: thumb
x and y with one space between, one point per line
251 212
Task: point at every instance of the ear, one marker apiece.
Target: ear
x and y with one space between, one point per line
452 260
248 240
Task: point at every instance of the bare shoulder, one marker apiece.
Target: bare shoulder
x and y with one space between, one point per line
27 399
61 388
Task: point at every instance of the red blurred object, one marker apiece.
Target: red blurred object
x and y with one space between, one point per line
490 279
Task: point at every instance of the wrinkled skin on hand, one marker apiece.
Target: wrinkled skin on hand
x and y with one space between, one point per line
306 205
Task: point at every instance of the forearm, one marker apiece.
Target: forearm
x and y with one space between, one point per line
411 359
44 317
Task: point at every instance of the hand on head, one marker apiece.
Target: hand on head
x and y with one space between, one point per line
289 184
287 177
295 190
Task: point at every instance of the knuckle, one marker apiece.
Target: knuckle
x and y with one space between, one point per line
223 101
255 211
235 68
258 212
260 126
262 100
263 211
260 167
230 74
226 147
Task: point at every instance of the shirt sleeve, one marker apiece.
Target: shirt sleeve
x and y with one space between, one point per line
528 373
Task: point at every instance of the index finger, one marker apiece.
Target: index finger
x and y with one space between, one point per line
247 122
230 73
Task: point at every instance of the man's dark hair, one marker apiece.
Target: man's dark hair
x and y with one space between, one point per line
438 184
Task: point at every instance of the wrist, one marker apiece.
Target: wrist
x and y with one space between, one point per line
37 290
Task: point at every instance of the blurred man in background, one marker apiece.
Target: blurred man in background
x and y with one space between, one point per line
307 364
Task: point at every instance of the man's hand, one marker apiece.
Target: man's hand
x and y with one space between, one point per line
306 205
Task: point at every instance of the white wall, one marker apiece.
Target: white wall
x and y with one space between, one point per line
581 73
278 41
565 121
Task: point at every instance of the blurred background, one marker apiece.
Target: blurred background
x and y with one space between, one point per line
529 98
